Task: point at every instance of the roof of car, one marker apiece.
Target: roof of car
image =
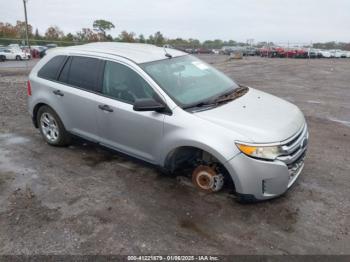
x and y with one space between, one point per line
139 53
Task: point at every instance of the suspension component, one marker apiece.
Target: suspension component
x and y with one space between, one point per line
207 179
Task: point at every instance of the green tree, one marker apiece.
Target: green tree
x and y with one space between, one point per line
141 39
37 35
159 39
101 26
21 29
87 35
54 33
7 30
193 43
109 37
150 40
69 37
127 37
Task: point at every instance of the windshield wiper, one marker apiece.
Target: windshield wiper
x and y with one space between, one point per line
228 96
201 104
233 94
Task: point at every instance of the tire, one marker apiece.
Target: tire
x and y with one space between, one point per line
18 58
2 58
51 127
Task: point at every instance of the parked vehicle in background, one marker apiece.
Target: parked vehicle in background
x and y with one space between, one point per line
225 50
203 50
312 53
14 46
172 110
168 46
14 54
2 56
41 50
228 50
301 53
190 50
51 46
249 51
338 53
270 51
325 53
318 53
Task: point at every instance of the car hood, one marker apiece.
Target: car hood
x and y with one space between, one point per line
258 116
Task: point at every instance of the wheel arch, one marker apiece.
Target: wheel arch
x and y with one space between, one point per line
186 152
35 113
36 110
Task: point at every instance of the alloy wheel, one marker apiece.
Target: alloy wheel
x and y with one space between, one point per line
49 127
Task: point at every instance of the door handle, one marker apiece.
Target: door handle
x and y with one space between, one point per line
58 93
105 108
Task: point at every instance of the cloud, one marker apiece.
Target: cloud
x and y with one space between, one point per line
263 20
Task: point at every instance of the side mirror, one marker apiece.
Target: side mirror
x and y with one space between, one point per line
148 104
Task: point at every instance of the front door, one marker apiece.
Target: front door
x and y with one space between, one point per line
134 133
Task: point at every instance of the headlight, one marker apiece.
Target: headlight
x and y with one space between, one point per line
257 151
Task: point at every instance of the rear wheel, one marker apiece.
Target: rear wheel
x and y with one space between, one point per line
18 58
51 127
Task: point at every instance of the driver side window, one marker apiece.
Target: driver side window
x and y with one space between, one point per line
122 83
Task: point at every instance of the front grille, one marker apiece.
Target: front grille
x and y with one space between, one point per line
294 147
294 150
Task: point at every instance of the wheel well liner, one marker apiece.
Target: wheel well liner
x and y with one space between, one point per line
181 156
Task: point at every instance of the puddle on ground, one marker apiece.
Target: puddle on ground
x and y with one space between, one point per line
314 102
12 139
190 225
5 177
344 122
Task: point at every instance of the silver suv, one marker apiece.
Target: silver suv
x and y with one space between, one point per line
172 110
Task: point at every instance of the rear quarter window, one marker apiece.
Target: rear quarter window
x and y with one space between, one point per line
51 69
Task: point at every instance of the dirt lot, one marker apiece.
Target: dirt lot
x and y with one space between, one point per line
86 200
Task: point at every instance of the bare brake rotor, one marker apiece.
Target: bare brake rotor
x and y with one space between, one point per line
207 179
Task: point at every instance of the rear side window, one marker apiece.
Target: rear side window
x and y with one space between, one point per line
51 69
82 72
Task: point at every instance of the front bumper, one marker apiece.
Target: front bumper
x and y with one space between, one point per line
260 179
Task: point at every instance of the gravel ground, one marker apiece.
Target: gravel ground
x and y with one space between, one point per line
84 199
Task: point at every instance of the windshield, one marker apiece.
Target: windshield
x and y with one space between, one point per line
188 80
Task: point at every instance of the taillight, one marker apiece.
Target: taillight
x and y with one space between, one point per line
29 88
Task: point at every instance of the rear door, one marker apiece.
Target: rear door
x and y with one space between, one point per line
135 133
76 95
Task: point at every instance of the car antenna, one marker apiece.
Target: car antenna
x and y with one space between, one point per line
166 53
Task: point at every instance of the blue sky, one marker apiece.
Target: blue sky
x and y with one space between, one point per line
299 21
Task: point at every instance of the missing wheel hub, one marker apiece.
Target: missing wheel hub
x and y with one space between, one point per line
206 178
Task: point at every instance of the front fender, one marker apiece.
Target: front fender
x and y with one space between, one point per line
169 149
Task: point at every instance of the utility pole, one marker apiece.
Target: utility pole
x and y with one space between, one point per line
25 15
